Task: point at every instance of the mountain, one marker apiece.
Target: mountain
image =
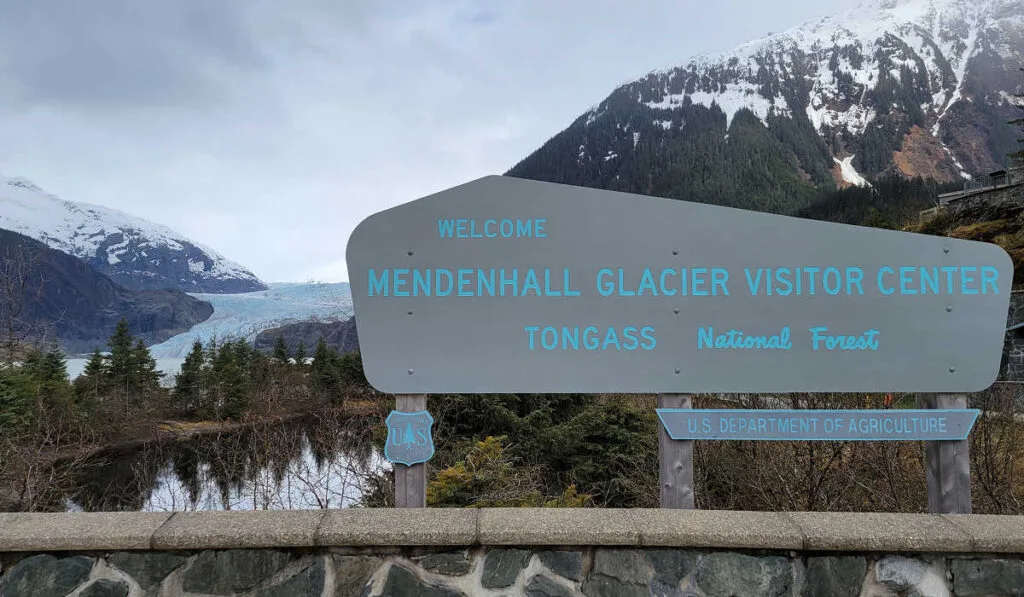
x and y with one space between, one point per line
339 335
48 295
132 252
906 87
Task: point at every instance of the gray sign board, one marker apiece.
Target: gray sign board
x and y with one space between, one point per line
818 425
511 285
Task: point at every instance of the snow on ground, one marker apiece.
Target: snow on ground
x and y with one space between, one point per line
246 315
850 173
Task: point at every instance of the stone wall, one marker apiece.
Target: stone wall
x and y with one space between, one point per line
598 572
1012 195
511 552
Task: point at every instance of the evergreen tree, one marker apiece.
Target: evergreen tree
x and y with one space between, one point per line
230 382
43 383
146 377
350 370
132 370
53 366
93 381
96 365
120 361
15 402
188 390
326 375
300 354
58 393
281 350
32 363
261 373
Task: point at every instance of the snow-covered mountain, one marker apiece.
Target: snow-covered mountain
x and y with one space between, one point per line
915 87
134 253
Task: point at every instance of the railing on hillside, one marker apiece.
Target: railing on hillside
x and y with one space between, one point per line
929 214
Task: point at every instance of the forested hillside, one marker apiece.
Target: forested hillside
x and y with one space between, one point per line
912 89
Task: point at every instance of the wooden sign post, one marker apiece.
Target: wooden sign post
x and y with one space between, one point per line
411 479
948 464
675 460
506 285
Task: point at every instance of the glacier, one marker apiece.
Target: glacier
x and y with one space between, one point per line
244 315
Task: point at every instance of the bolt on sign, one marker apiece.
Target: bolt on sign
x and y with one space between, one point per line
510 285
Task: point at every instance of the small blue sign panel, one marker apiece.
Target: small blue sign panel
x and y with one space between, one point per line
818 425
410 437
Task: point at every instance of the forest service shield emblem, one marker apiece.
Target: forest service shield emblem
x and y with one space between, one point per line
410 437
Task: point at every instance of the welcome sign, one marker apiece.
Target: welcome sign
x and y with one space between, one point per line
511 285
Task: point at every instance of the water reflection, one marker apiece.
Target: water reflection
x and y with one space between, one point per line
317 462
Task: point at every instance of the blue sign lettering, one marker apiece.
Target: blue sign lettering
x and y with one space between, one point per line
491 228
818 425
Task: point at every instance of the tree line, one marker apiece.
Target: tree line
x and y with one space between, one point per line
219 380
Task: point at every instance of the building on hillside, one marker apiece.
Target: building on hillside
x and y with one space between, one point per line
1002 187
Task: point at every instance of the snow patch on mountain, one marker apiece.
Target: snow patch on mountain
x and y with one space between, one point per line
733 98
116 243
879 64
850 173
1013 100
960 66
936 32
855 119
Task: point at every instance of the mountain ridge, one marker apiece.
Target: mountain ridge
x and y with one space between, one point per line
916 87
47 295
135 253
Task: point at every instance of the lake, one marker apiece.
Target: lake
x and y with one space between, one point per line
315 463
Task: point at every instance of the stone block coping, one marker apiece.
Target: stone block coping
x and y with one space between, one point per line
451 527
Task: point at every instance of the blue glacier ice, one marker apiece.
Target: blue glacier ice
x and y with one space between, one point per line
245 315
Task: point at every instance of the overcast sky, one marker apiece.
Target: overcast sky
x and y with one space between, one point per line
267 129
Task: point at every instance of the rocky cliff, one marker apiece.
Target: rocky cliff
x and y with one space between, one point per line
339 335
48 295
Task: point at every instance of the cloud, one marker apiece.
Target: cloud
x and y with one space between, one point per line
268 129
121 53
